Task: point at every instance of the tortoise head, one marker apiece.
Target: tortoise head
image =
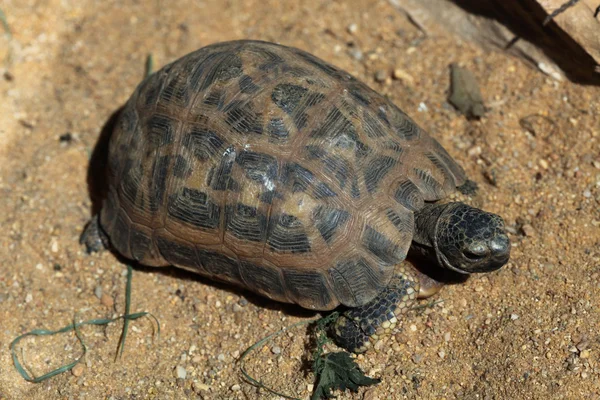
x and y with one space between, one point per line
468 239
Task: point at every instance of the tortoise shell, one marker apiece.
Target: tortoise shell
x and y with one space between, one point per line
264 166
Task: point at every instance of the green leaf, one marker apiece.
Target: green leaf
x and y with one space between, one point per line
339 371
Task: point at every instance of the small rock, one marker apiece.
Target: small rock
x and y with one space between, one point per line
54 246
180 372
587 193
402 75
237 308
370 394
66 137
442 354
218 304
310 387
98 291
464 92
514 317
236 388
528 230
417 358
381 75
413 328
276 350
221 357
543 163
584 354
200 387
107 300
243 302
352 28
78 369
356 53
28 298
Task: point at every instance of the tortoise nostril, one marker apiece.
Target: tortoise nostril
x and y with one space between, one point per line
500 244
476 252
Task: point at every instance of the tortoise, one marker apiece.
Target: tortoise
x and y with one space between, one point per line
261 165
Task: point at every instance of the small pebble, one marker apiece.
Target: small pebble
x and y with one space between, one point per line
276 350
352 28
356 53
200 387
417 358
514 317
107 300
441 354
78 370
528 230
243 302
236 388
28 298
180 372
587 193
237 308
413 328
381 75
221 357
584 354
402 75
98 291
543 163
370 394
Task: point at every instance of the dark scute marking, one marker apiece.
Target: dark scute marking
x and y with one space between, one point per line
328 220
323 66
257 166
204 143
177 253
383 115
391 144
158 182
194 207
120 235
131 180
435 160
150 89
404 223
381 247
277 129
272 60
404 127
376 170
246 222
334 165
263 278
160 130
298 177
220 266
247 85
128 118
358 94
139 244
287 235
176 91
182 168
362 150
109 209
409 196
372 126
242 118
337 126
355 191
432 188
287 96
220 177
355 281
307 288
215 98
217 67
323 190
450 164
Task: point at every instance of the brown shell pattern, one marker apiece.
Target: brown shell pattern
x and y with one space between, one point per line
264 166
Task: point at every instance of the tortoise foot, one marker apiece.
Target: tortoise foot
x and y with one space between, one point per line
359 328
93 237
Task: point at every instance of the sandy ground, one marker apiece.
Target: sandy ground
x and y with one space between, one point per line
529 330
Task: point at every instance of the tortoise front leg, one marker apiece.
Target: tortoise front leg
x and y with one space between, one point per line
357 329
94 237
